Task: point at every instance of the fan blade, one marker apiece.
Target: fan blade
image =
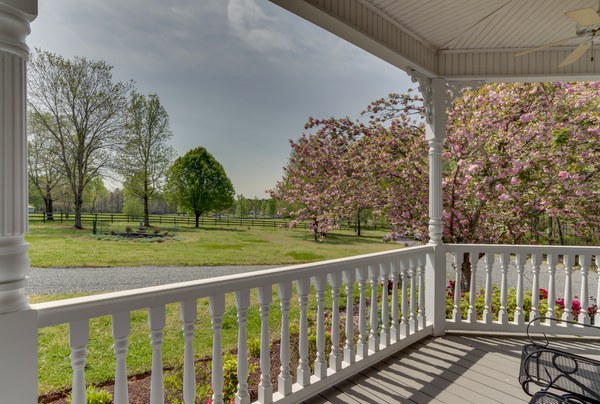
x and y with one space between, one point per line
576 54
584 16
548 45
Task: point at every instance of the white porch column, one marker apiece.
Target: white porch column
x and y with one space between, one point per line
434 100
18 324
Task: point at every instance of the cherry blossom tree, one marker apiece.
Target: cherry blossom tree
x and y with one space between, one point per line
514 153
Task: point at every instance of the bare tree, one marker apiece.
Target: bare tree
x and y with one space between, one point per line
82 108
144 154
44 166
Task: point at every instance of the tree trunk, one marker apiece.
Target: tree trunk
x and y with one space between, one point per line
358 222
48 203
197 219
78 206
146 212
550 231
561 236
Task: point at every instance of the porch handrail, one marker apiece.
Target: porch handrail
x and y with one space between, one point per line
383 328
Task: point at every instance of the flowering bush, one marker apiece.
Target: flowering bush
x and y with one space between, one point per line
511 305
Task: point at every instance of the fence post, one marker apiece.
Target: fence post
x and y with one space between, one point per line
61 217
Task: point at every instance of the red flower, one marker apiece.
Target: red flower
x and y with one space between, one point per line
543 293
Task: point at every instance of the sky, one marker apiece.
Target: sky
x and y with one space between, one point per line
238 77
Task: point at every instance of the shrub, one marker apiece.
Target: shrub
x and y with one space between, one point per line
254 347
95 395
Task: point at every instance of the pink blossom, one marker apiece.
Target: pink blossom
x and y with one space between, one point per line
563 175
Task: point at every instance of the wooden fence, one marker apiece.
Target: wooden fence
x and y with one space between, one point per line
187 220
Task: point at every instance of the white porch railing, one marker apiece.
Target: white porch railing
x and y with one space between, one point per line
385 324
525 269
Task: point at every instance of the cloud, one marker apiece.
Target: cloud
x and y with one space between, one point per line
249 23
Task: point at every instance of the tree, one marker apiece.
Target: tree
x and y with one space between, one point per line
79 105
242 207
198 183
94 192
144 155
514 153
43 164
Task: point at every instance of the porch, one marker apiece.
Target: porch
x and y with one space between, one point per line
409 319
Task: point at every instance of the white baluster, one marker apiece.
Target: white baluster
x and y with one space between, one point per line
242 302
156 321
265 388
79 336
456 311
584 317
188 318
412 270
216 307
519 315
120 332
503 312
284 385
384 270
374 317
472 314
597 316
320 362
487 311
362 347
404 324
349 278
568 261
395 327
551 315
536 261
421 281
335 359
303 373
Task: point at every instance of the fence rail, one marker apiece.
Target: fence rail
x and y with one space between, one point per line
187 220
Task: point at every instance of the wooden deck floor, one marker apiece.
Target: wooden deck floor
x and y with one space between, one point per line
450 369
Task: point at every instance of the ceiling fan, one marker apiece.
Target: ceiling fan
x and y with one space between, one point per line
588 26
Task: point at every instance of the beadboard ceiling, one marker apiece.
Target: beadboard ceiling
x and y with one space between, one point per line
460 39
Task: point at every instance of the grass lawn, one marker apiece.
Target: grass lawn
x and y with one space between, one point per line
195 247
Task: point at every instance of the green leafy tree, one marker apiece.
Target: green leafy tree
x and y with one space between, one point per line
198 183
82 108
242 206
144 155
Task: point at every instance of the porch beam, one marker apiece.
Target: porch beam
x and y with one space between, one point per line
18 323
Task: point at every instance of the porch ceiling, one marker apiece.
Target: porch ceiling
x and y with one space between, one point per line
459 39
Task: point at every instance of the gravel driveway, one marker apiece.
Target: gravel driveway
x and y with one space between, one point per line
44 281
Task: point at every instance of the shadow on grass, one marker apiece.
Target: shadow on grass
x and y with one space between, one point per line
344 239
212 228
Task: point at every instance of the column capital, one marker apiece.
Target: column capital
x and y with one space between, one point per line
429 86
15 16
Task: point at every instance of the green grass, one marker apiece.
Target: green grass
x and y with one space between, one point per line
195 247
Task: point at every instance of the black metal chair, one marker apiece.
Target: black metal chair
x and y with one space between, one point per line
560 377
